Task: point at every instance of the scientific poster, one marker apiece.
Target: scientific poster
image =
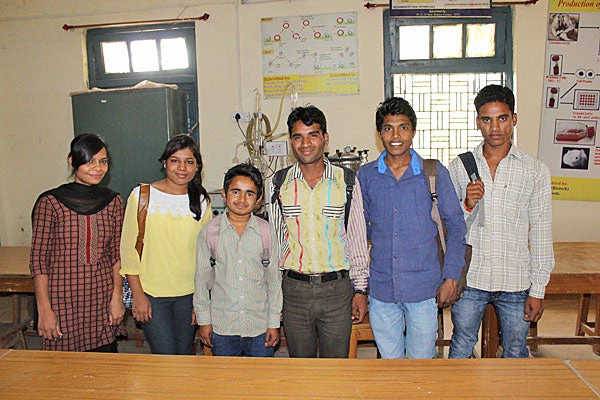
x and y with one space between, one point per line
317 53
571 100
440 8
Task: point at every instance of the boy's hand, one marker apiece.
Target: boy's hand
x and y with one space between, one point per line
475 191
360 308
205 334
446 293
272 337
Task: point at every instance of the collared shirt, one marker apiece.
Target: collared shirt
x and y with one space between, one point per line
311 229
512 248
245 296
404 264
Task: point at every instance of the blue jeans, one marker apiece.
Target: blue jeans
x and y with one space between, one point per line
241 346
467 314
170 330
401 328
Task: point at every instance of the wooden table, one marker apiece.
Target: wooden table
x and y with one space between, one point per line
589 371
15 277
62 375
576 271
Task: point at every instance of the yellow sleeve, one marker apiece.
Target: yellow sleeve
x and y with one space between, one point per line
130 261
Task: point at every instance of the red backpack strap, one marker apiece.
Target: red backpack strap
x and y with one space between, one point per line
212 238
265 235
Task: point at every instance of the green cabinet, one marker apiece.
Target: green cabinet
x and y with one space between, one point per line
136 123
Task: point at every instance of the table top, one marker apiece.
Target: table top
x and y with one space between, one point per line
590 371
14 260
576 257
29 374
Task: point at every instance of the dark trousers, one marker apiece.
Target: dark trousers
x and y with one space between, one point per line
317 316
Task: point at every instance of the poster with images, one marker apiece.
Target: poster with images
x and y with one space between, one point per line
317 53
569 142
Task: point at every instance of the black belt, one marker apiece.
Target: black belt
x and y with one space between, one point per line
316 278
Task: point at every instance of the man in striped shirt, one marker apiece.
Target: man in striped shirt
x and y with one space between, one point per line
509 220
324 262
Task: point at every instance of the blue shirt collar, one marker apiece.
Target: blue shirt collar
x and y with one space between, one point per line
414 163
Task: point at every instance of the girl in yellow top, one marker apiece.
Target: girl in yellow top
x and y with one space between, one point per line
162 282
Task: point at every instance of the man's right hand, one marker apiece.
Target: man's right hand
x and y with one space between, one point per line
475 193
141 308
205 335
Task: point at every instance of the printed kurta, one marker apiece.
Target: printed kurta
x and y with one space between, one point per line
77 252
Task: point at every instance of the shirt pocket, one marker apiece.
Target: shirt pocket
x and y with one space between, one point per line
291 211
333 211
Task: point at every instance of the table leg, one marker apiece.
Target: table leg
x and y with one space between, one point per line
582 313
596 347
490 337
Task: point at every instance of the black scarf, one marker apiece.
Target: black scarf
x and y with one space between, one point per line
82 199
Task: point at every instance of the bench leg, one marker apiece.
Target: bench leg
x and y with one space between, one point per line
353 352
596 347
439 353
533 332
490 337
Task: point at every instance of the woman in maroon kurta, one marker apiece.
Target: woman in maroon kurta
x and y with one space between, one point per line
75 255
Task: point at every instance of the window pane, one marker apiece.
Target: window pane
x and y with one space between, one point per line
445 111
173 54
144 55
447 41
116 57
413 42
480 40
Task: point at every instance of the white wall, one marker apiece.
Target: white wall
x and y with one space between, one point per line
40 64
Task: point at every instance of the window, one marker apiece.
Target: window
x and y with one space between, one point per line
166 53
439 65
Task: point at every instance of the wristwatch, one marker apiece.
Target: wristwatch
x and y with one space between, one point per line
362 291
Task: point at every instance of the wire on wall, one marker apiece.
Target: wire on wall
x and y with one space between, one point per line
73 27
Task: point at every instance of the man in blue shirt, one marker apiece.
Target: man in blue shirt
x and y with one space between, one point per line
405 271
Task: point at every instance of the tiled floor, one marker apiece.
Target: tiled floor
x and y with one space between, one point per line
559 319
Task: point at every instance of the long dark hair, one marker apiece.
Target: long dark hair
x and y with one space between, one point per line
195 188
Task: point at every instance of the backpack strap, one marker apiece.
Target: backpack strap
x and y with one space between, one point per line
265 235
430 166
468 160
277 181
349 179
143 201
212 238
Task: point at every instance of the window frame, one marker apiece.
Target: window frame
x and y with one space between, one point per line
501 62
99 78
185 78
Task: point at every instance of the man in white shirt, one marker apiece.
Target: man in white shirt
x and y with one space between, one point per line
509 224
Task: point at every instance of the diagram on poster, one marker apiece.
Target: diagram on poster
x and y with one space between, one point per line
317 53
571 101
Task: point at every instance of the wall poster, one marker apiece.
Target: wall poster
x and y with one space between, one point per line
317 53
571 100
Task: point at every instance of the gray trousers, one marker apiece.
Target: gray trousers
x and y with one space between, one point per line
317 316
